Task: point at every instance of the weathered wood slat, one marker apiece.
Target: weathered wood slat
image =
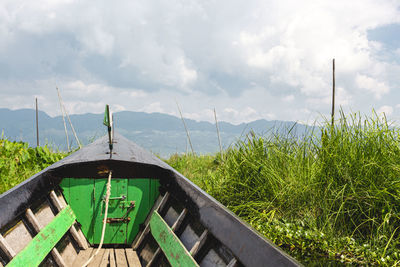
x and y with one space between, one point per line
33 220
147 228
82 257
197 246
174 228
163 202
37 227
169 243
58 258
179 220
132 257
34 253
139 238
120 257
142 236
232 263
156 254
44 215
104 260
18 236
97 260
78 237
83 238
112 258
5 247
56 202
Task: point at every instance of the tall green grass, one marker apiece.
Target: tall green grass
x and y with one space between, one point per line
332 195
18 162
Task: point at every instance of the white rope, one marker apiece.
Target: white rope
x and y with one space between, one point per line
104 220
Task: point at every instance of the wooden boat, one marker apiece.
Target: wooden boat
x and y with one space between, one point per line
156 216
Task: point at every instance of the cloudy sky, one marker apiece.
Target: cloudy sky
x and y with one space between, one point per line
248 59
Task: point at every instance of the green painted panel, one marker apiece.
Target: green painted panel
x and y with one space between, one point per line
79 194
86 198
34 253
169 243
115 232
144 192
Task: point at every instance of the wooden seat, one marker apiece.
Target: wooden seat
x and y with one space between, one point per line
122 257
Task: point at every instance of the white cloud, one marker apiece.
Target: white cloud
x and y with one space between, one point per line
140 55
343 97
387 110
79 107
153 107
88 90
246 114
298 49
372 85
288 98
203 115
189 76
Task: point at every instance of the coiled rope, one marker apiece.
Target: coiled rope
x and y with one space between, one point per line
104 221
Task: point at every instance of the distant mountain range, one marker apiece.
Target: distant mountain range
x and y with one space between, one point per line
160 133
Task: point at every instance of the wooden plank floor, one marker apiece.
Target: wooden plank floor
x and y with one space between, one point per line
82 257
119 257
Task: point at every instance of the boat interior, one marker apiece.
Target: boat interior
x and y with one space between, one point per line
155 216
129 240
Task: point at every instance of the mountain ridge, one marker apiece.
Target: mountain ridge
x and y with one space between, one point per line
161 133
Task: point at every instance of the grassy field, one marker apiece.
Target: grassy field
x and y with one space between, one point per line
330 197
18 162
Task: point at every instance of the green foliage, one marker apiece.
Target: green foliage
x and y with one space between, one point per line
330 197
18 162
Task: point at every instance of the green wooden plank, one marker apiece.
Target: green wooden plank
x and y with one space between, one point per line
169 243
118 230
34 253
84 195
155 184
115 232
137 191
141 191
100 190
79 194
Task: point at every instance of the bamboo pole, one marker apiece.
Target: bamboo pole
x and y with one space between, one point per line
72 127
112 125
62 113
70 123
219 136
333 92
37 123
186 129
